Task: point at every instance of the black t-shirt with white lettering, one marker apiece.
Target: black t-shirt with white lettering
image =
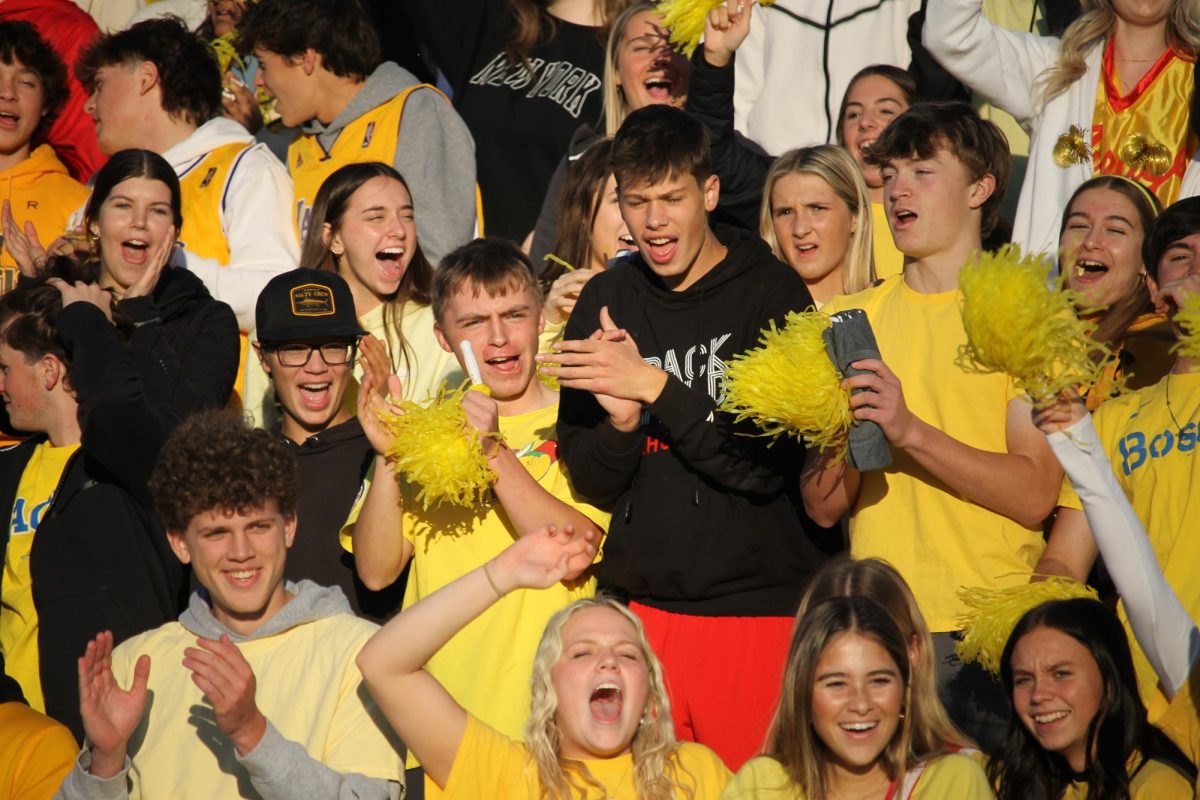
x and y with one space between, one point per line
522 121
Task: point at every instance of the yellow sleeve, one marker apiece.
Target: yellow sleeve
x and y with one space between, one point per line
487 764
346 535
360 739
1180 719
956 776
1159 781
36 753
700 769
761 778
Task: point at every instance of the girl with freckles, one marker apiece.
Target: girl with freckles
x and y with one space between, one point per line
845 727
600 724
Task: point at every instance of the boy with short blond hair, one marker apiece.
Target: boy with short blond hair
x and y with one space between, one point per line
971 478
485 293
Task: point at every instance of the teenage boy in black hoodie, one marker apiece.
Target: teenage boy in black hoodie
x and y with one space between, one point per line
308 337
707 535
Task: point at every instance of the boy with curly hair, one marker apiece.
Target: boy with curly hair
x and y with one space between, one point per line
269 700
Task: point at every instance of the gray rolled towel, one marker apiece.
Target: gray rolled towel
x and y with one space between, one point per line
847 340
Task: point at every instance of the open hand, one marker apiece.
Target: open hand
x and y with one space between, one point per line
24 246
372 404
80 292
541 559
144 285
227 680
110 714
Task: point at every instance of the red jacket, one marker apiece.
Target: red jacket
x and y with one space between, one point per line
68 29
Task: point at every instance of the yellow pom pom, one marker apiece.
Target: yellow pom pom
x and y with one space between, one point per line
993 613
227 56
1017 322
789 385
1188 318
433 447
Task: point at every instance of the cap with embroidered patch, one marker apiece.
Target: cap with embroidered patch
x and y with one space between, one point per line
306 304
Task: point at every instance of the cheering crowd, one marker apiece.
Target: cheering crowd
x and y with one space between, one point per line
278 274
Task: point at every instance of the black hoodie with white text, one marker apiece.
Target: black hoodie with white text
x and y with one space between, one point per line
707 517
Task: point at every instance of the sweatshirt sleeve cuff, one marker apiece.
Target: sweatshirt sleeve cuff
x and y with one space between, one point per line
679 407
620 443
81 783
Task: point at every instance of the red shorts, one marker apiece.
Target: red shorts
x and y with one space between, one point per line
722 676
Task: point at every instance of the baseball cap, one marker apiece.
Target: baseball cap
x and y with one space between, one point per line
305 304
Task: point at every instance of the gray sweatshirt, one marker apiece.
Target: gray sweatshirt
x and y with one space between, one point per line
278 768
434 152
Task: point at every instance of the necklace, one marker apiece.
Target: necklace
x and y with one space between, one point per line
1171 411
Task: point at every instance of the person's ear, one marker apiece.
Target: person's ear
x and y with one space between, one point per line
262 357
179 546
147 76
310 61
712 193
441 337
981 190
51 371
289 530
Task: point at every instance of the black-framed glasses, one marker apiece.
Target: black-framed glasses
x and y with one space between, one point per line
332 353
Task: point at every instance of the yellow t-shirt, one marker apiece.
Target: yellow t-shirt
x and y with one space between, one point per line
1179 718
938 540
1151 445
889 260
18 615
491 765
1156 108
1155 780
450 541
36 753
427 366
307 685
950 776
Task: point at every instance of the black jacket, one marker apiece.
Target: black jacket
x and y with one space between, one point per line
99 559
332 466
706 519
185 344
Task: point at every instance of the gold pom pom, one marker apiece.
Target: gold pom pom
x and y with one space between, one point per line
789 385
1144 154
433 447
685 19
1019 323
1188 318
993 613
1071 148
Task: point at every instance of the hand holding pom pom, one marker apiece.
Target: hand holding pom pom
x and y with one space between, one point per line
433 446
788 386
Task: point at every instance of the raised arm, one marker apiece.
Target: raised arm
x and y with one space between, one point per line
419 709
381 551
1163 628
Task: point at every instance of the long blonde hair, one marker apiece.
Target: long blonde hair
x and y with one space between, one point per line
879 581
616 107
1096 24
654 742
834 165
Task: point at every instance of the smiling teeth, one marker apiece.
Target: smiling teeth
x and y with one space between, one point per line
1042 719
658 241
242 575
314 387
858 727
393 251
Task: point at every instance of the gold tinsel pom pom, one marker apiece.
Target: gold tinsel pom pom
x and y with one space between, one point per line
1071 148
993 613
1144 154
433 447
788 386
1188 318
685 19
1019 323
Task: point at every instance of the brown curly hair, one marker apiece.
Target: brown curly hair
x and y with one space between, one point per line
213 461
